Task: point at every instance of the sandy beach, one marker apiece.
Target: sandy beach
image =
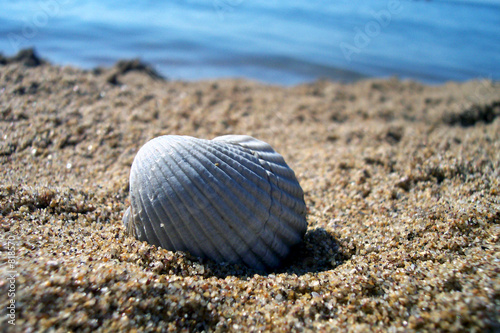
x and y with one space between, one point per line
401 182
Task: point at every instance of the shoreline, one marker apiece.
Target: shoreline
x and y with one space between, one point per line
400 178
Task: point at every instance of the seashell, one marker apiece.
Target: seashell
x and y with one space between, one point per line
231 199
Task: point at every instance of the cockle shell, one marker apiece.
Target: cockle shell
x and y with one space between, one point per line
231 199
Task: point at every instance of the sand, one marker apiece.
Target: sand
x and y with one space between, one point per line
401 181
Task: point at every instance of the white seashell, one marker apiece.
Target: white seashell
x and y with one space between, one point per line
231 199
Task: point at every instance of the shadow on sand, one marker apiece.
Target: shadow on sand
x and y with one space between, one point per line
317 253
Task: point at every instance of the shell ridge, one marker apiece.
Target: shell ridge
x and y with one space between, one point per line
284 231
283 178
282 170
263 164
294 216
156 204
287 184
234 212
155 182
291 186
230 199
227 252
230 172
272 245
279 205
134 222
209 249
147 227
230 213
273 173
293 206
176 236
267 156
263 233
245 141
270 258
234 152
291 194
291 223
292 203
132 193
207 234
232 222
240 176
263 150
296 221
279 169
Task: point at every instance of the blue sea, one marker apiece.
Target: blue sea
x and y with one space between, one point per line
274 41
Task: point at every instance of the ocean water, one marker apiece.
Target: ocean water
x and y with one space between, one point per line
275 41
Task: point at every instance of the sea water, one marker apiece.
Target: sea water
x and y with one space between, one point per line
275 41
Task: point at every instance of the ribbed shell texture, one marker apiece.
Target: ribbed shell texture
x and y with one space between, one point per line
231 199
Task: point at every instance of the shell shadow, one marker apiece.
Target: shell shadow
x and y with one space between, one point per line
318 252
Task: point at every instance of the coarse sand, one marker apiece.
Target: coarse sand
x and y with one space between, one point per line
401 181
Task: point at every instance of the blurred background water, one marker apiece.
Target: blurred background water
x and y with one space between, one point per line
275 41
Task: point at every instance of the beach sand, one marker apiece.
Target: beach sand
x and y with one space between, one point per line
401 181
